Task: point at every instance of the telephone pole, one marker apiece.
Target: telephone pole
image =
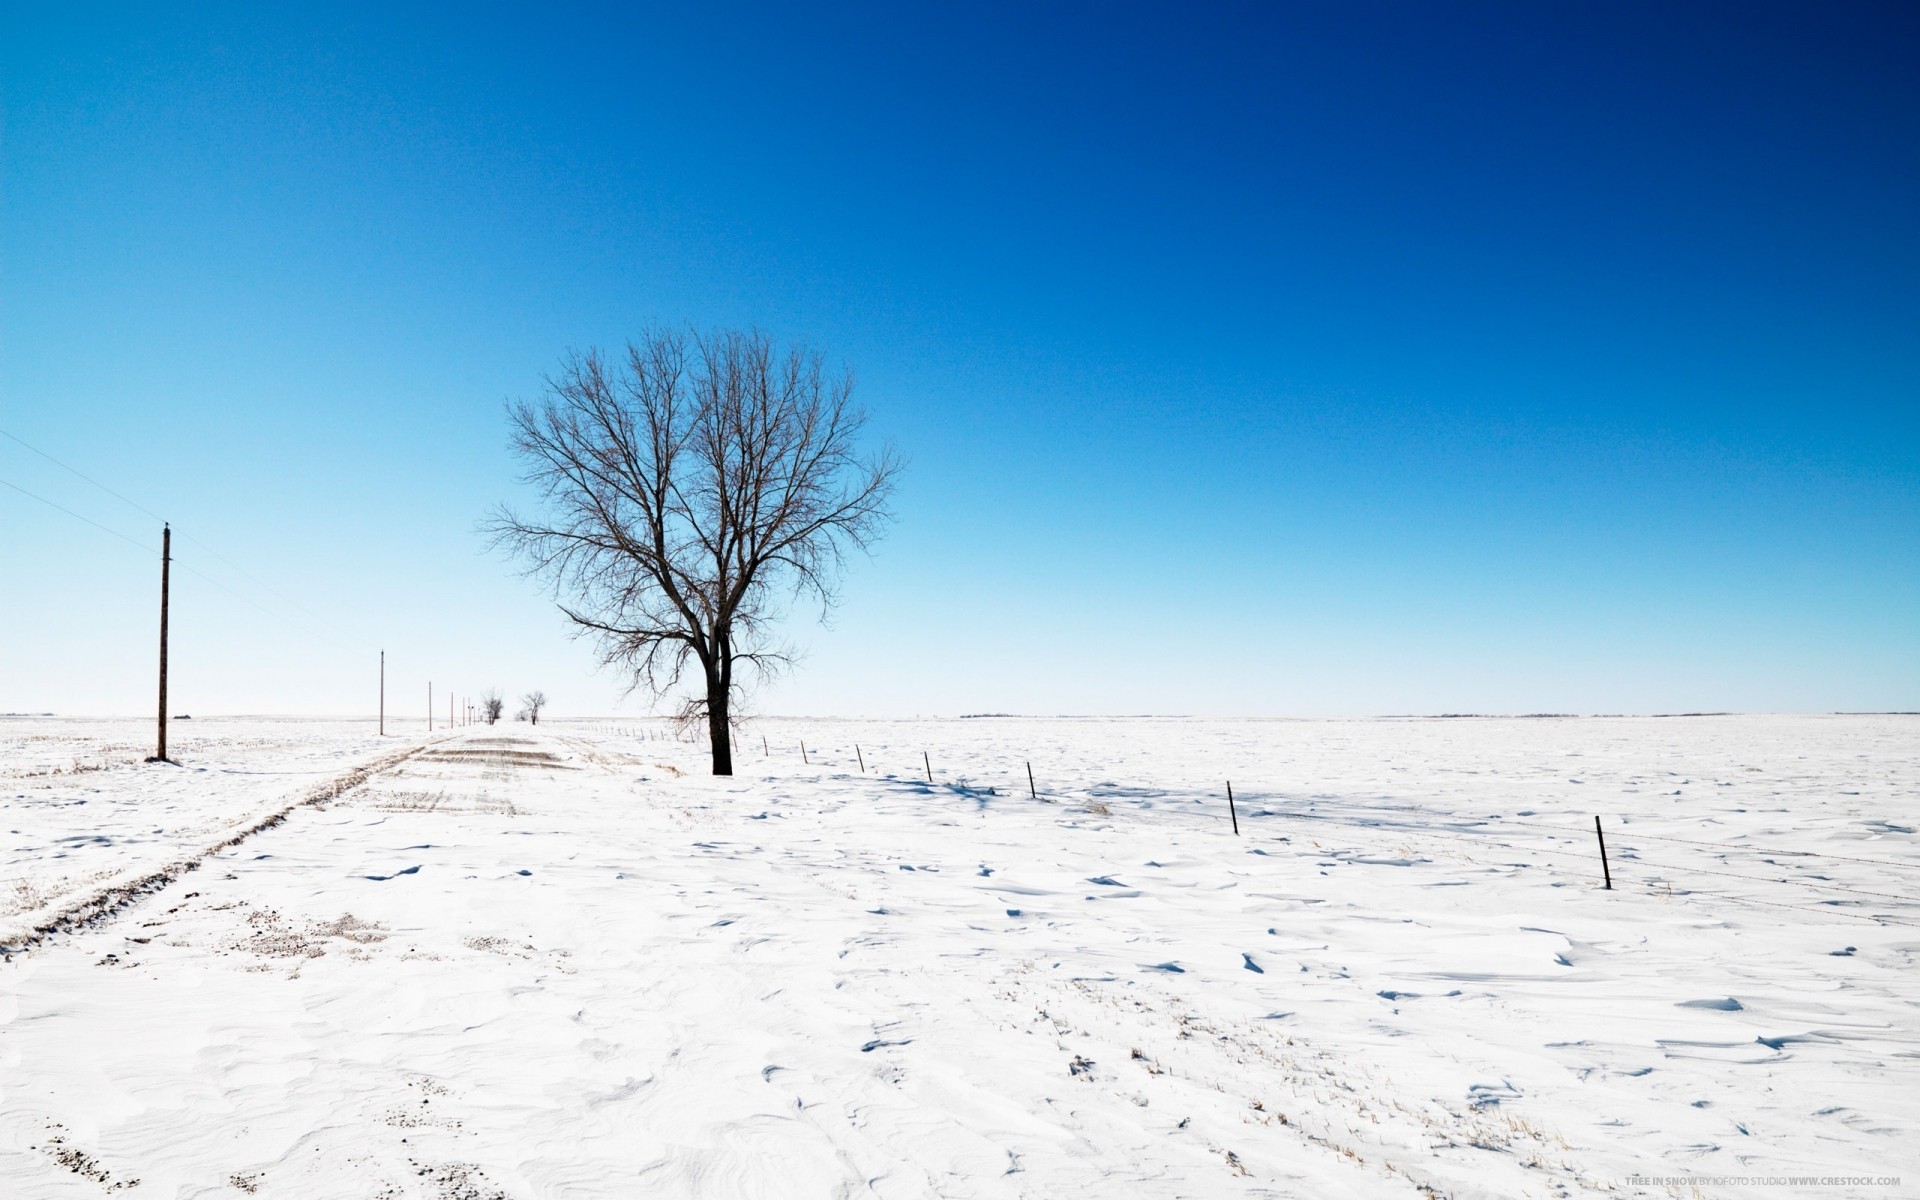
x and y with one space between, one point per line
166 561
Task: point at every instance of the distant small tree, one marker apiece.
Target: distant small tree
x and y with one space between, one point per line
491 705
532 703
686 487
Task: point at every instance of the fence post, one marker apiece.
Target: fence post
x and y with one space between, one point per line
1603 851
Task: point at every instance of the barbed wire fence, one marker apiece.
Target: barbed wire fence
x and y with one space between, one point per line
1659 865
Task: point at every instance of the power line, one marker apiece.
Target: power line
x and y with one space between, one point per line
90 479
281 617
76 516
235 567
203 575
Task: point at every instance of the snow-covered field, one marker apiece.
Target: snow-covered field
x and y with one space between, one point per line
563 962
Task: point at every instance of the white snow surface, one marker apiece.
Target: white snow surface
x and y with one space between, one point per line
564 961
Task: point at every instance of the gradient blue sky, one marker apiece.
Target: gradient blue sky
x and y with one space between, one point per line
1262 359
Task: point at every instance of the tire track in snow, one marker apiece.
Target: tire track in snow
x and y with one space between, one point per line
103 905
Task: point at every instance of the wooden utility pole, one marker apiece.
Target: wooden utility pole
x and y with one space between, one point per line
383 693
166 561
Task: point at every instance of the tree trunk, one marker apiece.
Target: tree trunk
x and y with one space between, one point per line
718 731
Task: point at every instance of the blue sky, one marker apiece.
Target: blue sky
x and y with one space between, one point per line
1267 359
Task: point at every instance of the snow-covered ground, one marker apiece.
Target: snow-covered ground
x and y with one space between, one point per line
83 815
564 962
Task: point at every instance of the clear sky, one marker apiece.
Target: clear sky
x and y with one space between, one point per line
1266 359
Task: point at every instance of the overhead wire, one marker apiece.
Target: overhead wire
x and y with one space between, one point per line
76 516
313 633
155 550
338 638
76 471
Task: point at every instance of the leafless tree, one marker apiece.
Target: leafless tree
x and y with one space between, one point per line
532 703
491 705
687 490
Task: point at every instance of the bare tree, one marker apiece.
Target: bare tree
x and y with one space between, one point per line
687 490
491 705
531 704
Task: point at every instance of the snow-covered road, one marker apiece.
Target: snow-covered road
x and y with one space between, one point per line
563 962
